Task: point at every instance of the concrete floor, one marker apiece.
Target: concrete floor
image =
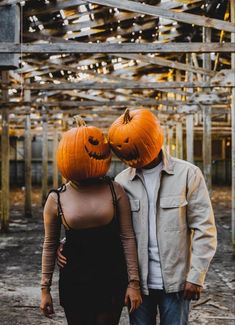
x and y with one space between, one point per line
20 258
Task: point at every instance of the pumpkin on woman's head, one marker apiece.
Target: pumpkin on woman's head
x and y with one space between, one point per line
136 137
83 152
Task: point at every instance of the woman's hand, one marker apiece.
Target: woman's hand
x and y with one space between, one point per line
46 305
61 259
133 299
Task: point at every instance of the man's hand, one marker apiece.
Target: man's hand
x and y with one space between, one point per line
61 259
191 291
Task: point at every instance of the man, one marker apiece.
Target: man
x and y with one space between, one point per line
172 219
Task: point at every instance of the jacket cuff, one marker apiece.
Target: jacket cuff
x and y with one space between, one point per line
196 277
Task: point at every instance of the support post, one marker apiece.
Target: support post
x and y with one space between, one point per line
165 143
179 126
169 138
44 157
5 152
190 137
55 168
232 15
10 32
28 158
189 121
179 140
206 111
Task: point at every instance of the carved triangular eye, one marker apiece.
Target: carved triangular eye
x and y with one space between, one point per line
127 140
93 141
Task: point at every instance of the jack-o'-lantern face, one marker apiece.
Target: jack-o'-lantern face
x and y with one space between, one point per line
126 150
96 146
136 137
83 153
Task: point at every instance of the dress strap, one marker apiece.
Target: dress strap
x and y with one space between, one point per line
114 196
59 207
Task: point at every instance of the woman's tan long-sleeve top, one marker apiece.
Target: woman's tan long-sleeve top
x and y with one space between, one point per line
83 207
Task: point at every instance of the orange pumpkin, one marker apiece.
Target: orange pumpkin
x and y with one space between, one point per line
136 137
83 152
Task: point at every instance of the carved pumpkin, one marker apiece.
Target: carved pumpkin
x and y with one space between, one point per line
83 152
136 137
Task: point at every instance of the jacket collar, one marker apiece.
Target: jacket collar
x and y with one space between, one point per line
168 166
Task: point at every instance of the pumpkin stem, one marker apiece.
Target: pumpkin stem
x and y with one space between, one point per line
127 118
79 121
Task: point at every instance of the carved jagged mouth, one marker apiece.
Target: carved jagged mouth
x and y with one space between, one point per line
97 156
132 155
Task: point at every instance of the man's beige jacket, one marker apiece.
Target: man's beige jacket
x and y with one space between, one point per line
186 231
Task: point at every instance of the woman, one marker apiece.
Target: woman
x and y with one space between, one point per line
101 270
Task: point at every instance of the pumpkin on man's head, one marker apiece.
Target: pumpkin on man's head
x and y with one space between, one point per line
83 152
136 137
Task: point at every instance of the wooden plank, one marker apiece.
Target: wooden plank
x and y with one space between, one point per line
78 47
57 6
89 109
110 103
84 85
122 16
167 63
196 64
173 15
28 159
5 156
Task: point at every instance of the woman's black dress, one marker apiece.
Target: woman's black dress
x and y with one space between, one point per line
95 276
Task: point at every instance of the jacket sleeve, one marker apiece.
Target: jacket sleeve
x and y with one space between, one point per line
127 234
52 226
201 221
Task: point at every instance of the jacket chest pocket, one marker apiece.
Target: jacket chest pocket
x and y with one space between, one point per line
173 211
135 213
